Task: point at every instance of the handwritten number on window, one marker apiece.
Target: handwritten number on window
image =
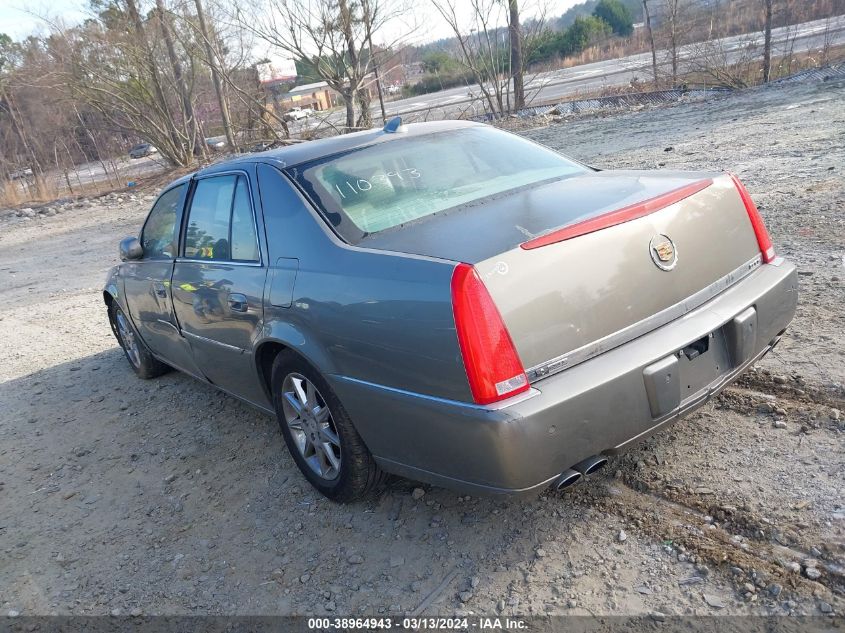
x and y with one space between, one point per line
362 185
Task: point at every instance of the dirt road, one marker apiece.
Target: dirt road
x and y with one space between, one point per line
166 497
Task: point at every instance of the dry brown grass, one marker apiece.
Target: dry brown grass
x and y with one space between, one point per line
31 191
750 72
38 191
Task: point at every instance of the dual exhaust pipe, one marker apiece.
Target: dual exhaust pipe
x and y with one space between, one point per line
572 476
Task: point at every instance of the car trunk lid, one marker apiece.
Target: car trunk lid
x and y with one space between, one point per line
575 267
576 292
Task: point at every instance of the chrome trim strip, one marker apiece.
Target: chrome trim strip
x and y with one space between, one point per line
218 262
457 403
635 330
204 339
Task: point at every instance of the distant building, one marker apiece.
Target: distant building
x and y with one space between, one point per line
317 96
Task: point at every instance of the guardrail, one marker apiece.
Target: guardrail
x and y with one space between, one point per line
826 73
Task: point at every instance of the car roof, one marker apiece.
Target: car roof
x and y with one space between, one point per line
310 150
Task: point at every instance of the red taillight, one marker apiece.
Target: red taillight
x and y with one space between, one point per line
492 364
763 239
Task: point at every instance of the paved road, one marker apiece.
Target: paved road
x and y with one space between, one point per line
557 84
121 170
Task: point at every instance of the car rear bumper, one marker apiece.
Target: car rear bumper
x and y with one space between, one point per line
600 406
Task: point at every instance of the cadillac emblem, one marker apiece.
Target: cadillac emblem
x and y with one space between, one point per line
663 252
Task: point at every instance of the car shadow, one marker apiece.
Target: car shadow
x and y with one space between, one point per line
117 492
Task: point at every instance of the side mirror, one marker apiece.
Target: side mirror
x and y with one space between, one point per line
130 248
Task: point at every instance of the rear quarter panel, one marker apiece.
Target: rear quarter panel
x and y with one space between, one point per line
371 316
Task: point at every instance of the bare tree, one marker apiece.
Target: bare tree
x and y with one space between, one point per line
190 121
148 57
767 41
330 35
215 75
113 66
309 31
480 50
829 38
361 93
672 16
41 128
485 47
647 17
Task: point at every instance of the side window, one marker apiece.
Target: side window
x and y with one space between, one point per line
161 229
220 224
244 239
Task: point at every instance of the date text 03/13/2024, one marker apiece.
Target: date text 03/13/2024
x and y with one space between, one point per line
417 623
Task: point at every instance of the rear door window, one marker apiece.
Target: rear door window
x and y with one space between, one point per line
244 239
221 225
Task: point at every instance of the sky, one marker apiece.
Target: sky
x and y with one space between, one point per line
19 18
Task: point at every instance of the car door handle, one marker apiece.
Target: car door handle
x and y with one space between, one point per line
238 302
160 290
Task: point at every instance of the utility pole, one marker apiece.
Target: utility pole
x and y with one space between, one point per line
378 80
516 56
215 75
651 41
767 43
368 22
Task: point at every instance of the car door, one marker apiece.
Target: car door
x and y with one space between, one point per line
218 282
146 282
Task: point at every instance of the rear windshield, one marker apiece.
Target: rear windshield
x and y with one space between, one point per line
385 185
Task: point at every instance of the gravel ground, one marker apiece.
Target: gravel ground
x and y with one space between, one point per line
166 497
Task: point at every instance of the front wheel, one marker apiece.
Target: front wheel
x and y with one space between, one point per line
143 363
319 434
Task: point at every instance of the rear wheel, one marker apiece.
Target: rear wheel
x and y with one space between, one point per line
143 363
319 434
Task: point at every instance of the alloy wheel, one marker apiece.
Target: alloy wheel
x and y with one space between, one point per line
127 337
311 425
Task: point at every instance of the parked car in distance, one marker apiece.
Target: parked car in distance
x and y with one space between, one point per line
21 174
216 143
142 149
263 146
450 302
394 90
297 113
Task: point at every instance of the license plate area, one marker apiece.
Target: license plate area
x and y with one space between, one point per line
687 375
701 364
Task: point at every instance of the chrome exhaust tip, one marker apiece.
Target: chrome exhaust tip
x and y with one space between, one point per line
590 465
566 479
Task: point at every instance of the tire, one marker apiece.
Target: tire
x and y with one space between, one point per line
325 445
141 360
